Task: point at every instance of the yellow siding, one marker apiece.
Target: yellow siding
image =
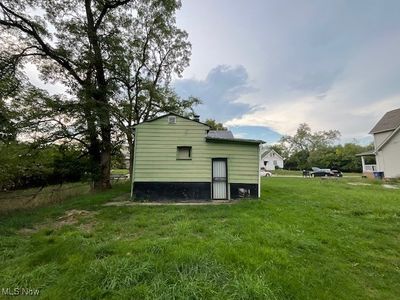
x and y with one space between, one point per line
156 161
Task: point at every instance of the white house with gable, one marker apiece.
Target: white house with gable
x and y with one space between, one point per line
270 160
387 146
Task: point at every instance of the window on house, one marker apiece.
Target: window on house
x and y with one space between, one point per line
275 163
171 120
184 152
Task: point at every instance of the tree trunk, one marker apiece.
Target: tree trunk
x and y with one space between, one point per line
105 163
94 144
101 98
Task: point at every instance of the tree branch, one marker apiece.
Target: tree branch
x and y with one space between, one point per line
32 31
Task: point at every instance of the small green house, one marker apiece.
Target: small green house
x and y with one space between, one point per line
178 158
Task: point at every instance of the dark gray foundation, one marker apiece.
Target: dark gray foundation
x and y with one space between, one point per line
164 191
181 191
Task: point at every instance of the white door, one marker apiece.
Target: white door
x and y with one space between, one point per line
219 178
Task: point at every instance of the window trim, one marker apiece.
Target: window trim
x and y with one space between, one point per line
184 147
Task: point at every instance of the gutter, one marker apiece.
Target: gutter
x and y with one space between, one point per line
243 141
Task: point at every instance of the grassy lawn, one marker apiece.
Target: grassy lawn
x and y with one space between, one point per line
305 239
300 173
120 171
35 197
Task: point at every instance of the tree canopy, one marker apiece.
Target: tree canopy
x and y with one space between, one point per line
306 140
116 59
214 125
306 149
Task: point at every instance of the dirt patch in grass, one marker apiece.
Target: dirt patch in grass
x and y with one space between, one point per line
359 183
71 217
390 186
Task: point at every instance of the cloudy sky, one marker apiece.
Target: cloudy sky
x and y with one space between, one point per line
263 67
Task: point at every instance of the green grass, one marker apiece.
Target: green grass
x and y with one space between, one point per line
286 172
120 171
305 239
35 197
300 173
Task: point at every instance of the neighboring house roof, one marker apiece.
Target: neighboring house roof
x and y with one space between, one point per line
390 121
171 114
221 134
234 140
269 151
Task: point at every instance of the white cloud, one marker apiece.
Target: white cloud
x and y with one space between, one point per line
351 119
34 77
333 65
366 88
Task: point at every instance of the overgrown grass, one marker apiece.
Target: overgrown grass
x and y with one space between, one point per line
40 196
305 239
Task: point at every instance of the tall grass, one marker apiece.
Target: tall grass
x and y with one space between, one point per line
304 239
35 197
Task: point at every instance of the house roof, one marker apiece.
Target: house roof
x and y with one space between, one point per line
269 151
233 140
390 121
221 134
170 114
367 153
224 136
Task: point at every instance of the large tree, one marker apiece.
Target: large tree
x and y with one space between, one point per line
9 87
80 44
154 50
296 149
306 140
214 125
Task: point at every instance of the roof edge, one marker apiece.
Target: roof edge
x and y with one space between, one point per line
169 114
234 140
269 151
390 118
381 131
366 153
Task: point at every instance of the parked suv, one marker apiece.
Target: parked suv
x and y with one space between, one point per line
317 172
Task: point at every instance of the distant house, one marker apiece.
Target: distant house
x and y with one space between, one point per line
177 158
270 160
387 146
